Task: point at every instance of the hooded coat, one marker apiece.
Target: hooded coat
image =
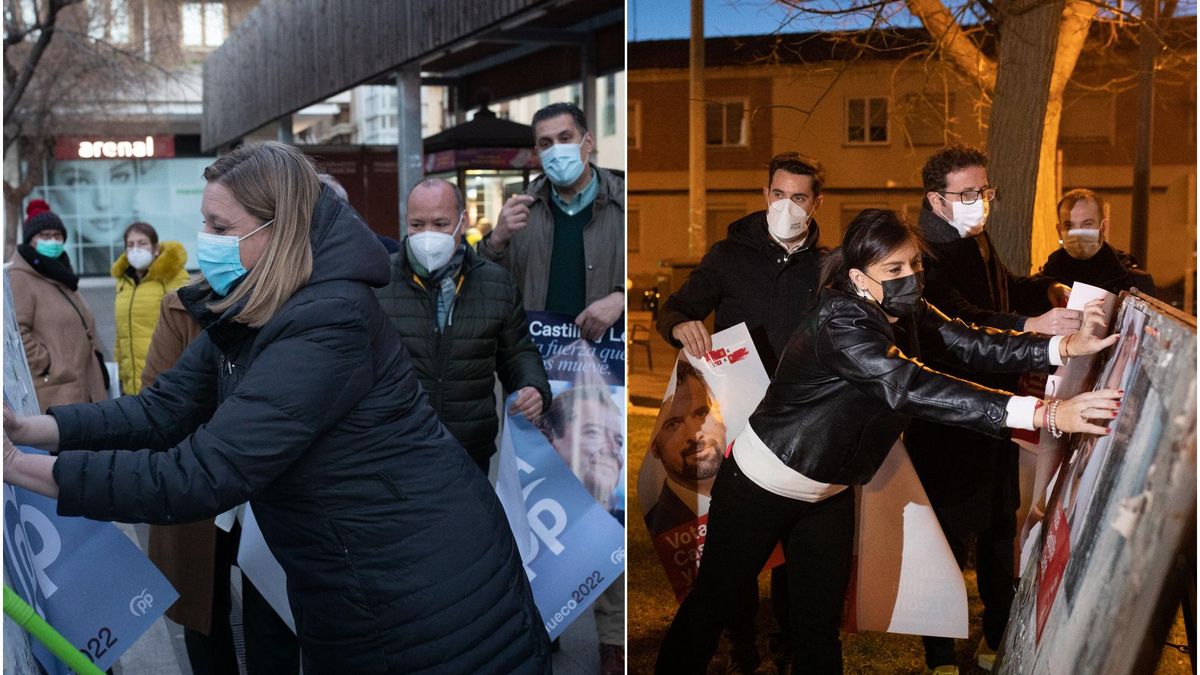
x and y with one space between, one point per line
748 277
397 552
137 304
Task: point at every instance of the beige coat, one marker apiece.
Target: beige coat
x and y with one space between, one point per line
60 338
527 255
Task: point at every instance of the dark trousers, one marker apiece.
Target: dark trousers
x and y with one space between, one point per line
745 522
271 647
213 654
997 587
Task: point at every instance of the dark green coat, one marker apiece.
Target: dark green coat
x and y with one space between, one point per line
486 334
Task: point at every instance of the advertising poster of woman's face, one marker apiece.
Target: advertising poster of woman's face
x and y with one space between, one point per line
98 199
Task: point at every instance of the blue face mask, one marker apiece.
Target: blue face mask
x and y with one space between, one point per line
561 163
220 258
49 248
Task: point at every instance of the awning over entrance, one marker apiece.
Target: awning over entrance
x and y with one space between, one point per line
288 54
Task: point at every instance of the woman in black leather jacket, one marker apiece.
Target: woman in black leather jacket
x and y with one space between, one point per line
848 382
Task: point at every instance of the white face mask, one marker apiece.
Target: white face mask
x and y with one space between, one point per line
787 221
1081 244
433 249
139 258
969 219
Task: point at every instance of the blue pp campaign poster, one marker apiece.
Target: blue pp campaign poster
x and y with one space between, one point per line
85 578
561 479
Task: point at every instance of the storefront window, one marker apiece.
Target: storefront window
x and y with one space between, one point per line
487 192
97 199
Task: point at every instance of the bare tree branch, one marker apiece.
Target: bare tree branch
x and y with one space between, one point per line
12 96
952 41
802 7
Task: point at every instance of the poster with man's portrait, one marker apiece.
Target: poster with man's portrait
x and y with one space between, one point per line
561 478
707 404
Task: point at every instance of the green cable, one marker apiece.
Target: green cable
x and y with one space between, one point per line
20 611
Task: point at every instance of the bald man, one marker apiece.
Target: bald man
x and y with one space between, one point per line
462 320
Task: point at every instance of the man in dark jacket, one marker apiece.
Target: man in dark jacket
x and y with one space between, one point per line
462 322
1086 254
765 273
972 478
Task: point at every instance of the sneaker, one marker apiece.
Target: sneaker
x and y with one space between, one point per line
612 659
985 656
942 670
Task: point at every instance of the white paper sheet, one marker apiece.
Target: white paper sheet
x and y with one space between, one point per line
259 564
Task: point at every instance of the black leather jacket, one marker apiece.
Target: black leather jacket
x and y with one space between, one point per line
849 382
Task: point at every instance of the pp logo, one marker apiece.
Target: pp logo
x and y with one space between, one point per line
141 603
618 556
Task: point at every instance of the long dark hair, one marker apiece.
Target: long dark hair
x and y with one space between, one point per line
870 237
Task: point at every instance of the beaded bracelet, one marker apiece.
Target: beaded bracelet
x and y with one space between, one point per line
1052 417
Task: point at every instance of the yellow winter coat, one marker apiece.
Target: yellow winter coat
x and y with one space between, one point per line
137 308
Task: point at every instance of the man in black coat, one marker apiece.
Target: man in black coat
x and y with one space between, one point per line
1086 254
765 273
462 321
971 478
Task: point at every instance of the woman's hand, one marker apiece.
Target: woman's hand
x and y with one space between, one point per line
1088 339
14 427
1073 414
29 471
39 431
11 453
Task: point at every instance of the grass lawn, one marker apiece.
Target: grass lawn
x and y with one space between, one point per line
652 605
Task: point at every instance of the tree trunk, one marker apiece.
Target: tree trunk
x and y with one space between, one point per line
1028 44
1077 18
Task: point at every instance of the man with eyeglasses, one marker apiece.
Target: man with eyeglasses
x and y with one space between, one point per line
972 479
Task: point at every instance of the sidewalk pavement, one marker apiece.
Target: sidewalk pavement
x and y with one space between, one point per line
646 385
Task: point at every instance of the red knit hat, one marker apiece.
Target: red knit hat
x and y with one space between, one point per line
39 218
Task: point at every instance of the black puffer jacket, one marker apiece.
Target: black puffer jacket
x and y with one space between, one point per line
848 383
748 277
487 333
398 555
